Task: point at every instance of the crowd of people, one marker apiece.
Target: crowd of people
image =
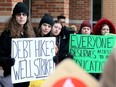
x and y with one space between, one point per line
19 26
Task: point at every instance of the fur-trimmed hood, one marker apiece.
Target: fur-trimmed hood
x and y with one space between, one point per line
100 23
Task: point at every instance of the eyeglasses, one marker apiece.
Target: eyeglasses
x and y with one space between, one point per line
19 14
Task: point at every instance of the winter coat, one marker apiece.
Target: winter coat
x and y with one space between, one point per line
64 44
100 23
5 56
5 52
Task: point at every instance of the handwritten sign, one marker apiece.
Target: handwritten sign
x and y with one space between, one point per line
33 58
91 51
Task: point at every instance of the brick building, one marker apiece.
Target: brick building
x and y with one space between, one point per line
74 10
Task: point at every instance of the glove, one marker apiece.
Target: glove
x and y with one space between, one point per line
10 61
6 61
55 59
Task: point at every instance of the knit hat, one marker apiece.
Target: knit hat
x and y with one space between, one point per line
86 23
47 19
20 7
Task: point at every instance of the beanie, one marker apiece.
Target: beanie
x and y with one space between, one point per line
20 7
47 19
86 23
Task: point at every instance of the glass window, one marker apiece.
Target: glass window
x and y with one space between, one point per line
97 10
28 3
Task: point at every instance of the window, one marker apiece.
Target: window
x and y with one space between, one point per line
96 10
28 3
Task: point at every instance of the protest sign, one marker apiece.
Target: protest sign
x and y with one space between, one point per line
33 58
91 51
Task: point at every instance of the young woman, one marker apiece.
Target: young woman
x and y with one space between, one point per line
85 27
104 26
45 26
43 30
18 26
57 27
56 30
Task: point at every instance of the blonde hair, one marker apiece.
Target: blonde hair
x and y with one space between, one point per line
73 27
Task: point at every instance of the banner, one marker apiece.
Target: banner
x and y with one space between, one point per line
33 58
91 51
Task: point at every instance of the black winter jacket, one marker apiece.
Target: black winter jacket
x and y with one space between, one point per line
5 56
64 43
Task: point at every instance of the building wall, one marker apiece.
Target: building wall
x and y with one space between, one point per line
79 10
74 10
53 7
109 10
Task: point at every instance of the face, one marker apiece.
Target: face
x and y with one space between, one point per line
46 28
56 29
21 18
62 21
105 29
86 30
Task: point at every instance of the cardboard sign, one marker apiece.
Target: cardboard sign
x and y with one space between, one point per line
33 58
91 51
69 74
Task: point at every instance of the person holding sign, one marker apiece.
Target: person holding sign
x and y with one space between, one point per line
56 30
85 27
18 26
104 26
43 30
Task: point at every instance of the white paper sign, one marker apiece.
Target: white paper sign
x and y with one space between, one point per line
33 58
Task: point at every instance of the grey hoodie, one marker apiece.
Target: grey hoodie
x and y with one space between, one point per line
5 81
